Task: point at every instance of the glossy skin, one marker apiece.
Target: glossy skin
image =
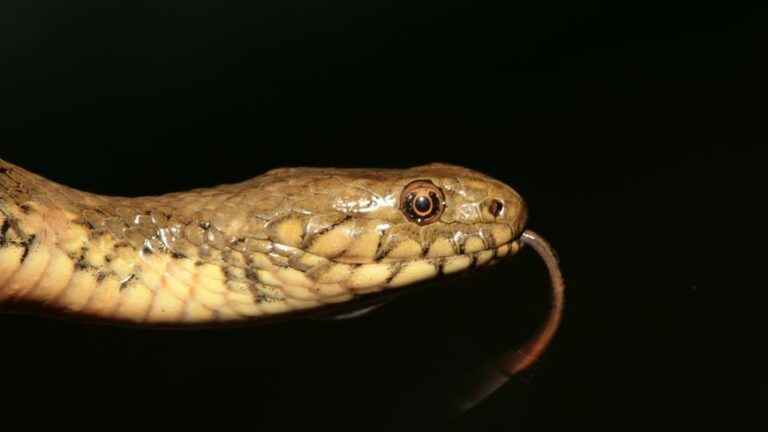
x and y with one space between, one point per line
295 239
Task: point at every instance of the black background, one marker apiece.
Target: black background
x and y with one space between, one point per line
632 131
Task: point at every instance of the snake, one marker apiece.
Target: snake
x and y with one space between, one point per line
288 243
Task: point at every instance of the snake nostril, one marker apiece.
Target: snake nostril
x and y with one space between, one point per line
496 207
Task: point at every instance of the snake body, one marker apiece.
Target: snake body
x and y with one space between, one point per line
290 240
293 240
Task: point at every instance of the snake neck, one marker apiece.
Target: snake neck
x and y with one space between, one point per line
38 239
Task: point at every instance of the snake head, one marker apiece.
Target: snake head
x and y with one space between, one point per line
358 216
468 198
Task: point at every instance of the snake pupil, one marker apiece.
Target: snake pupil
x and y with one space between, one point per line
423 205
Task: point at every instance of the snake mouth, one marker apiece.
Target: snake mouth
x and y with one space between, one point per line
397 276
481 258
410 271
331 281
474 255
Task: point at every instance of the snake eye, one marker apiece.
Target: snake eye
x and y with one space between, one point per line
422 202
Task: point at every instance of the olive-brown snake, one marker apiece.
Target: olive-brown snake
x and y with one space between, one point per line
288 242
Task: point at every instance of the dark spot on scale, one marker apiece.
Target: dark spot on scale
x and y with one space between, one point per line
308 241
260 297
4 231
178 255
462 250
27 245
125 283
491 241
441 267
100 277
146 250
378 257
228 275
123 244
251 275
6 226
4 170
396 269
205 225
199 263
26 208
81 264
108 258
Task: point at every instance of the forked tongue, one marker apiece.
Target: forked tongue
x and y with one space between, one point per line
496 374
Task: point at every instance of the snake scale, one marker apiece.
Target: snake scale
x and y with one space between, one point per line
290 240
